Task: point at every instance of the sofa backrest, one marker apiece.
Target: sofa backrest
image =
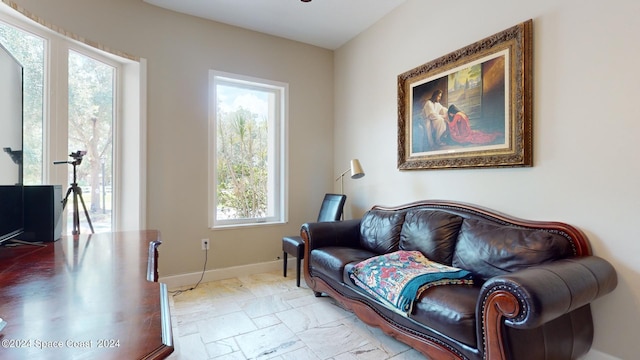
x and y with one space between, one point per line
490 249
380 230
431 232
476 239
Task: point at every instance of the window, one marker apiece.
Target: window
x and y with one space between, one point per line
29 50
91 113
80 98
247 150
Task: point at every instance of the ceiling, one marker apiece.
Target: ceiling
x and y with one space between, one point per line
324 23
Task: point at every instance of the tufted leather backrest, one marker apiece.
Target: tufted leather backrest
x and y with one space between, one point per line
473 241
491 250
380 230
431 232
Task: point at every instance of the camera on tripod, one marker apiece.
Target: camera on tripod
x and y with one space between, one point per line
76 156
75 190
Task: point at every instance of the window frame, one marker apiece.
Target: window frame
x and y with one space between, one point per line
129 194
277 146
66 47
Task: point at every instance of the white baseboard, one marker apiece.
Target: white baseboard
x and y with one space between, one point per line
175 281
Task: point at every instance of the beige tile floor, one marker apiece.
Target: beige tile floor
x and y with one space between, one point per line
265 316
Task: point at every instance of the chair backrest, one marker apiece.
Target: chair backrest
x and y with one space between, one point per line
331 209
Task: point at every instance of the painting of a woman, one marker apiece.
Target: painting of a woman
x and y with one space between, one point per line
460 129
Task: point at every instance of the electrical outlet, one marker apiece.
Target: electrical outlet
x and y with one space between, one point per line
205 244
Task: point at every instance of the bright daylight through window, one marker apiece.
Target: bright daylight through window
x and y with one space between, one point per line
29 50
78 113
247 129
91 115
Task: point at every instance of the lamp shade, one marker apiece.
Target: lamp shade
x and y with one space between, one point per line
356 169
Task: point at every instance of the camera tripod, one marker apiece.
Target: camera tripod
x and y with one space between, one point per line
77 193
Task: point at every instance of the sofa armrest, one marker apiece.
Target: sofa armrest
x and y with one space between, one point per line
548 291
531 297
334 233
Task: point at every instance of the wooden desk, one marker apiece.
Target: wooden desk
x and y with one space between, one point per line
89 298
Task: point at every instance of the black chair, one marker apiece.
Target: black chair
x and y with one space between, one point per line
331 210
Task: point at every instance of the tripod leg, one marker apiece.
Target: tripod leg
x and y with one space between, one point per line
64 201
76 217
86 213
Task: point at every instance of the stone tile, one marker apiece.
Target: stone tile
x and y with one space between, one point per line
185 328
263 278
268 342
387 344
266 316
238 355
266 321
299 354
225 326
409 355
264 306
266 289
207 306
332 339
312 315
228 288
222 348
305 297
189 347
366 352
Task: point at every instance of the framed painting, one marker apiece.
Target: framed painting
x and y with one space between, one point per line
470 108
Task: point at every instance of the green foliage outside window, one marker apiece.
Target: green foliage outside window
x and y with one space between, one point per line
242 175
29 51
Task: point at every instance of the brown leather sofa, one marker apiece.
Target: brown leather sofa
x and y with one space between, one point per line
533 280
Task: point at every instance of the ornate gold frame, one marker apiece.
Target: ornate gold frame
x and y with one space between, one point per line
517 150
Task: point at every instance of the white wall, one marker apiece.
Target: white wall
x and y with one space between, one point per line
586 149
179 51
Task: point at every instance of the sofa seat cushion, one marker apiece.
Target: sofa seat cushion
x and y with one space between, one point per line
488 249
449 310
331 260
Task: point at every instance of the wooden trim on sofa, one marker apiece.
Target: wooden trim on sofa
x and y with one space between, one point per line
368 315
576 236
499 304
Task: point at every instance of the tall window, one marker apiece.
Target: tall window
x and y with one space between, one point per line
247 148
73 101
29 50
91 119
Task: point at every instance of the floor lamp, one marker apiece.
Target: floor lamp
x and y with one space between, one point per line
356 173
